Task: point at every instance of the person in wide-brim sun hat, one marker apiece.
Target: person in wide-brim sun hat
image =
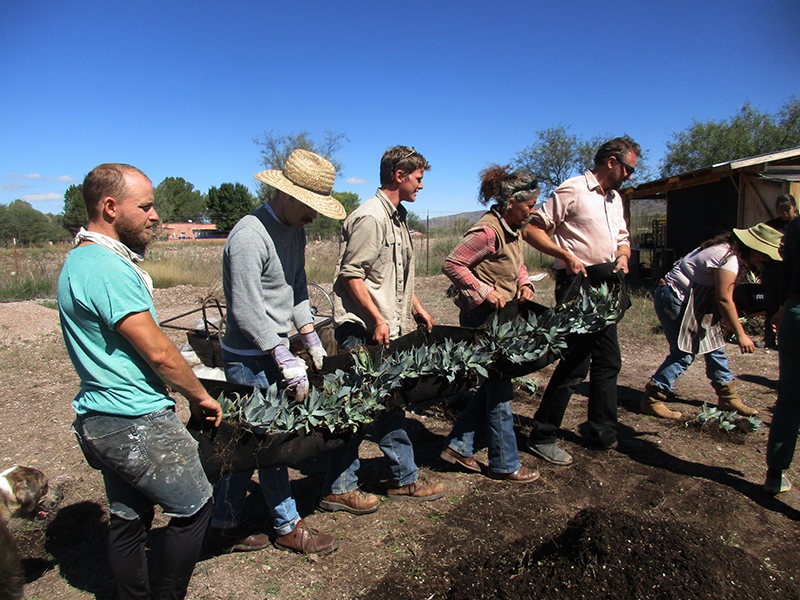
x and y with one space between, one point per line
692 301
309 178
761 237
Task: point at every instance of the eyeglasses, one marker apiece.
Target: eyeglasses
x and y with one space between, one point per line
629 170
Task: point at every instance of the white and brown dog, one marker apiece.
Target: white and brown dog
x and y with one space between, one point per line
25 493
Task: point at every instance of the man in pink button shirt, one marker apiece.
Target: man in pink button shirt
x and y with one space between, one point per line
582 224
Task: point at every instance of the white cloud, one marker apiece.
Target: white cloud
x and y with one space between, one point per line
357 180
42 197
14 186
37 176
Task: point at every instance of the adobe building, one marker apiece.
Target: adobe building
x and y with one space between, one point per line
189 231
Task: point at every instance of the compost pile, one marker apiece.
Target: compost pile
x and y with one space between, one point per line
603 553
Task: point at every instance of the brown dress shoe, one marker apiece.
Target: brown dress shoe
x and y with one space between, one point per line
305 540
521 475
234 540
355 502
419 490
454 458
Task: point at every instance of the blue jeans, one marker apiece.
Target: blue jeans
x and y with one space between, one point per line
786 418
146 460
490 406
669 311
274 481
394 441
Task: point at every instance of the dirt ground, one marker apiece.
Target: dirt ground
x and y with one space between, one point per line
684 518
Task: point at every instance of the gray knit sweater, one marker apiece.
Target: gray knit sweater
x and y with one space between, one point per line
264 279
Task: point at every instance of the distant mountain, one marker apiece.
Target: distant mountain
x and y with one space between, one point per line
638 207
446 222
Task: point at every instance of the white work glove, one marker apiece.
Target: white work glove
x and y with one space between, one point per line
314 347
293 370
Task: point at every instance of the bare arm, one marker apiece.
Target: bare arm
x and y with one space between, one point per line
724 282
357 290
143 333
538 238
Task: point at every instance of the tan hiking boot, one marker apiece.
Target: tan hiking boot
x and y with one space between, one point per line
355 502
653 403
420 490
729 400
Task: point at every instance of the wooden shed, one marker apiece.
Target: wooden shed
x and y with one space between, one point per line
703 203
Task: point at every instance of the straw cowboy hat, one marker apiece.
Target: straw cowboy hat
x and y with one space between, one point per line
309 178
762 238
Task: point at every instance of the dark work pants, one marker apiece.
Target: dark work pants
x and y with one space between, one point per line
771 288
177 557
595 354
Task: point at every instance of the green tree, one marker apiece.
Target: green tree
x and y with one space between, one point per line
556 155
229 203
21 222
414 222
748 133
75 215
276 149
349 200
176 201
325 228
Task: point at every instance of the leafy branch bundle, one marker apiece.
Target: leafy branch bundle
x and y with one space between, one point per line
351 398
726 420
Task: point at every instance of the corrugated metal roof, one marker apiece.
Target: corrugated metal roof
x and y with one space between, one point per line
713 173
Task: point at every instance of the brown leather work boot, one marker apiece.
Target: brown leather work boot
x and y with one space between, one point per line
355 502
234 540
454 458
420 490
305 540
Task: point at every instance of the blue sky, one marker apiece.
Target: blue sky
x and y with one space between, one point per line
180 89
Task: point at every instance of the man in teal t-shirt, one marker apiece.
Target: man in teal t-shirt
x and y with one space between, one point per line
126 423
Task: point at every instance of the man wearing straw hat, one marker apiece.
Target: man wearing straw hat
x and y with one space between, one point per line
264 279
374 302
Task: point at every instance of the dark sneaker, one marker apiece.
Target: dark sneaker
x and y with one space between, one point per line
234 540
777 486
624 445
550 452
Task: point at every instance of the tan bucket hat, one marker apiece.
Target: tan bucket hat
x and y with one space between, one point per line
761 237
309 178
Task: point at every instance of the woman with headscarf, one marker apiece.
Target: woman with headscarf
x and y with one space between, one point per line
488 270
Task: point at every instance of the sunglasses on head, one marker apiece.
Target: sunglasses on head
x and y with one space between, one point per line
409 155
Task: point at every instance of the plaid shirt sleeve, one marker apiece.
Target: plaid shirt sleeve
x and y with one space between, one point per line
474 247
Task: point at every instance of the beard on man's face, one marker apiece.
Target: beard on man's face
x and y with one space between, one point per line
133 236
